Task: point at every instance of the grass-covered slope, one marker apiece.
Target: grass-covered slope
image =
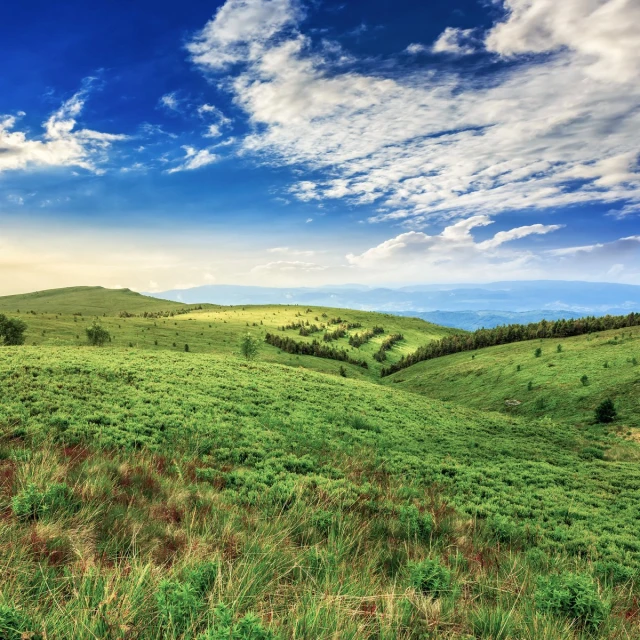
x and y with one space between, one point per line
549 385
220 329
85 300
139 489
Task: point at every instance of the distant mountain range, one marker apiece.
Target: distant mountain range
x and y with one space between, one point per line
465 306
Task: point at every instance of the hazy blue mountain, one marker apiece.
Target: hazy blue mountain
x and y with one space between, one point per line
472 320
474 304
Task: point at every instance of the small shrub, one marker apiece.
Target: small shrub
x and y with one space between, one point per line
33 503
430 577
559 348
519 367
538 352
179 603
343 371
606 411
97 335
249 347
571 595
530 385
247 628
415 524
13 624
202 577
585 380
186 348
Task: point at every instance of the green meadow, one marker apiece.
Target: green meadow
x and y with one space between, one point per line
147 491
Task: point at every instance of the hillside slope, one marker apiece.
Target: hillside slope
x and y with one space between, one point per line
548 385
218 329
139 488
85 300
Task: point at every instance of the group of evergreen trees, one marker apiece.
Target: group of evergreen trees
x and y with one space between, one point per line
358 339
381 354
512 333
315 348
159 314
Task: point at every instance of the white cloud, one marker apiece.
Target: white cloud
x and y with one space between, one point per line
602 33
545 132
195 159
170 101
292 252
238 25
61 145
454 243
288 266
220 121
415 48
457 42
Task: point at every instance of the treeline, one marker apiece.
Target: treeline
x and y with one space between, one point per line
381 354
315 348
509 333
157 314
358 339
340 331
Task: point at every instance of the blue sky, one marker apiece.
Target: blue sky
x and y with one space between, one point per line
304 142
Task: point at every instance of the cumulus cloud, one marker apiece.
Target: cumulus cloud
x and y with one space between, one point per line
455 242
194 159
61 145
220 121
457 42
547 131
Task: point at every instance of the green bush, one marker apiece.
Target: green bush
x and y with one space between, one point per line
202 577
415 524
538 352
13 624
571 595
247 628
97 335
12 330
33 503
430 577
179 604
606 411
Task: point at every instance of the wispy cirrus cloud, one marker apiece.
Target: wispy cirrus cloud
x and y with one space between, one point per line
61 144
439 144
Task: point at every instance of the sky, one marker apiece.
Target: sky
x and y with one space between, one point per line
161 145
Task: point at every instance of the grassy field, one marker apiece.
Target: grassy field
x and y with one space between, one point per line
149 492
57 322
141 488
549 385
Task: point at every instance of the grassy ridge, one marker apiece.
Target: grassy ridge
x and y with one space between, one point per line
219 329
86 300
330 508
549 385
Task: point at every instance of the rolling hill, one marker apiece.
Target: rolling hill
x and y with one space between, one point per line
549 385
149 491
85 300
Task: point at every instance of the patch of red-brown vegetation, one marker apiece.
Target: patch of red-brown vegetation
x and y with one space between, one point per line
232 548
48 549
632 613
138 481
7 476
76 454
169 513
169 547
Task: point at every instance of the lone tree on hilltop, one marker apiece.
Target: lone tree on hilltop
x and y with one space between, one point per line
97 335
12 330
249 346
606 411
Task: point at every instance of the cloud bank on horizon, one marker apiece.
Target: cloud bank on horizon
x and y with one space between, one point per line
531 114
